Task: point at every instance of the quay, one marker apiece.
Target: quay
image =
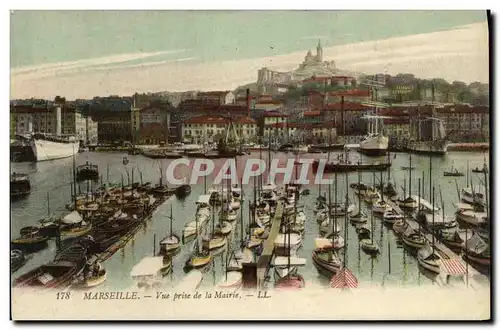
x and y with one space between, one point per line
122 242
481 146
441 249
268 251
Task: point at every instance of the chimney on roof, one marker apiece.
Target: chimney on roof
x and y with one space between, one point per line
248 102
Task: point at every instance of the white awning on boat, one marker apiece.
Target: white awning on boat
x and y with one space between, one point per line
203 199
283 239
425 204
72 218
294 261
464 206
149 266
322 243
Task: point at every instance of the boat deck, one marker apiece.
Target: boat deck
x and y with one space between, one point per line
265 258
440 248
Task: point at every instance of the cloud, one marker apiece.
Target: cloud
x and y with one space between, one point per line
452 54
313 37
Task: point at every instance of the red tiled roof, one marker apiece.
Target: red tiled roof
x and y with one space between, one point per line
207 120
273 114
311 113
265 101
461 108
348 106
244 120
351 92
397 121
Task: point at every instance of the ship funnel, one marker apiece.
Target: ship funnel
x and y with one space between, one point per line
58 119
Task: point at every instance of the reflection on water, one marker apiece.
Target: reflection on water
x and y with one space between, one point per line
396 267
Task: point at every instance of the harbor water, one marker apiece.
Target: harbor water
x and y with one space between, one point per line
51 192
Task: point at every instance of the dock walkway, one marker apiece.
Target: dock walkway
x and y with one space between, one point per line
443 250
268 251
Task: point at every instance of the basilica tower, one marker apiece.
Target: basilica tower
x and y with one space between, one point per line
319 52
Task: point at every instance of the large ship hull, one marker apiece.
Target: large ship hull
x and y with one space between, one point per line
428 147
374 146
45 150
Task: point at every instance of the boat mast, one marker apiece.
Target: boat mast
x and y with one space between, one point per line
171 221
418 205
48 205
409 180
433 213
371 217
467 175
336 206
430 172
346 239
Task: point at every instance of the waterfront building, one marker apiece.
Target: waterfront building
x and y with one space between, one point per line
246 128
114 118
274 123
154 123
204 128
216 97
47 117
463 122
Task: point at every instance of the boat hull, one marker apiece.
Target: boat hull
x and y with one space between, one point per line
428 147
45 150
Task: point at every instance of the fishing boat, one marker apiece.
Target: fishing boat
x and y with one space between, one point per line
182 191
359 188
214 241
409 203
86 172
200 257
224 228
391 216
428 259
72 225
381 207
93 279
468 195
56 274
288 242
17 260
413 238
20 185
326 261
203 214
369 245
453 172
148 273
171 243
477 250
480 170
371 196
232 280
228 214
30 240
363 231
400 226
342 167
407 168
471 218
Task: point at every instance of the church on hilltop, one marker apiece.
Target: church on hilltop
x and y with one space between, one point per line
313 65
317 60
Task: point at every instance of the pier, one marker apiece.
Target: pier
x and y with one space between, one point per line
441 249
123 241
268 250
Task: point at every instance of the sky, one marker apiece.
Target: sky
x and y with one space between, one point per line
88 53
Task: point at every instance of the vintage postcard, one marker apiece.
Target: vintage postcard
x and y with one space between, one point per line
250 165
